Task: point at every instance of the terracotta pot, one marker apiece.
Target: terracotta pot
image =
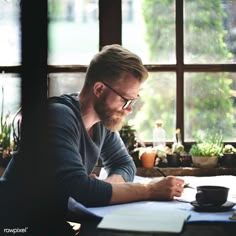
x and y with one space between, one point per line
205 161
148 159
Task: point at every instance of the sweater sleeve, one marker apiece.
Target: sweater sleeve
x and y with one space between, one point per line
116 158
71 176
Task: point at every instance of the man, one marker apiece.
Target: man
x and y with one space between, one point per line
82 130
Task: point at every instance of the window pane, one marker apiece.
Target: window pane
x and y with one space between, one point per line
65 83
210 31
73 31
10 93
157 101
148 28
210 104
10 49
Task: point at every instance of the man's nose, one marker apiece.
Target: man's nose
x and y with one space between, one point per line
129 108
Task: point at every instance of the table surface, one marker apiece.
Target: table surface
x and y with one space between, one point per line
190 229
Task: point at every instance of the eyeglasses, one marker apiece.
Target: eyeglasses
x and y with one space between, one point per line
128 102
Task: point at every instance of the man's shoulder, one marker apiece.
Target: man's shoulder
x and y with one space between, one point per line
66 99
69 100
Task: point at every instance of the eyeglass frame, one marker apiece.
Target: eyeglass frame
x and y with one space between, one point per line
128 102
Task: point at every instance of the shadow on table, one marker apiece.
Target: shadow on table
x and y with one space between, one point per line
89 228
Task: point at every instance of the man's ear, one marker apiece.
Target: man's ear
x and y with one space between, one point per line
98 89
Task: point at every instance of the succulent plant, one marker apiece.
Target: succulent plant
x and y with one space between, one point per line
211 145
229 149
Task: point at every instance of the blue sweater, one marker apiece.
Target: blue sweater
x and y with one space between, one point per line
75 154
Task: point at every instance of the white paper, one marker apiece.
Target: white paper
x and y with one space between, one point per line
145 220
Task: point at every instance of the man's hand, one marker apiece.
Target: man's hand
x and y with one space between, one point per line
166 189
93 176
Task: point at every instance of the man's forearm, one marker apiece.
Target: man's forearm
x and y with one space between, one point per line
123 192
115 179
166 189
128 192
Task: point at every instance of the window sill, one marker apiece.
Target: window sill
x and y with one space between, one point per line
186 171
181 171
178 171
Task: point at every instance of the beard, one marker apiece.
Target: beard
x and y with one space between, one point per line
111 119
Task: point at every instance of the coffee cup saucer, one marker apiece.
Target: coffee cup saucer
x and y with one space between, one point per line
212 208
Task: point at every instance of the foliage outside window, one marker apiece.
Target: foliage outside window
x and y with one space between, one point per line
208 102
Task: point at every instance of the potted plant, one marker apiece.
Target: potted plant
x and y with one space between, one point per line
228 158
6 143
9 136
127 134
174 153
161 156
206 152
147 156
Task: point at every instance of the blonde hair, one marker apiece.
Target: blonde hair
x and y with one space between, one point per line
111 62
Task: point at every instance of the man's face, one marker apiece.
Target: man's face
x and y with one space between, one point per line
111 105
110 118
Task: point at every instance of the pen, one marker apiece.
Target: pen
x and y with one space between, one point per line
164 175
161 172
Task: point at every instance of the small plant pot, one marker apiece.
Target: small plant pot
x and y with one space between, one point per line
173 160
228 160
186 160
135 156
205 161
148 159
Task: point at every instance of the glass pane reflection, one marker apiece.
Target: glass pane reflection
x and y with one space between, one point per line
65 83
210 31
148 28
10 85
10 49
157 101
210 104
73 31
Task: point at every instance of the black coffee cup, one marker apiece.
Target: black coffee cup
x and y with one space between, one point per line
213 195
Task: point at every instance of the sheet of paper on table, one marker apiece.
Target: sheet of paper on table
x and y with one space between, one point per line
145 220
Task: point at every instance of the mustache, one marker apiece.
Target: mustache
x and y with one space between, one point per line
114 122
118 115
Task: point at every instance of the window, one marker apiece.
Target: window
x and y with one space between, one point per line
73 31
10 39
10 81
193 41
188 47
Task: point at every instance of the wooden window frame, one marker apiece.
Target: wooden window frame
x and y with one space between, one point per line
110 31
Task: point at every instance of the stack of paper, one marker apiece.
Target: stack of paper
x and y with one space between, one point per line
147 220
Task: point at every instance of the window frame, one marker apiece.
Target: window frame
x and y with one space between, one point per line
110 32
